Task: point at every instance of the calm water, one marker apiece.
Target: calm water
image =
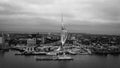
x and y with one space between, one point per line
9 60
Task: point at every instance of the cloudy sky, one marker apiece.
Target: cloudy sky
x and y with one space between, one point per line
89 16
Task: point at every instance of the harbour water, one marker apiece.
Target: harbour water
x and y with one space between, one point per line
9 60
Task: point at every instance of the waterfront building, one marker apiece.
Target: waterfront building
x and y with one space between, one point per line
2 41
31 41
29 48
43 39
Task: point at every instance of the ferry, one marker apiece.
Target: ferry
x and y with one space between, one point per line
54 58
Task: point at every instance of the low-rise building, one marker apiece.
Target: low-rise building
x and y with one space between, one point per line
31 41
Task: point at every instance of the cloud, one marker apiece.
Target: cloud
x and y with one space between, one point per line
75 12
103 11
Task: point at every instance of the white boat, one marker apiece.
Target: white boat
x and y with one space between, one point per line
64 57
54 58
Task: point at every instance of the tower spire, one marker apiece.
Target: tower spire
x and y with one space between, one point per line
63 31
62 22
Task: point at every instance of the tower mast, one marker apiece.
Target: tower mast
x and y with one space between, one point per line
63 32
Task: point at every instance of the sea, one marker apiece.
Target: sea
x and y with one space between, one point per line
8 59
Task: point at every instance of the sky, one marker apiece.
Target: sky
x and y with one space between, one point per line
86 16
